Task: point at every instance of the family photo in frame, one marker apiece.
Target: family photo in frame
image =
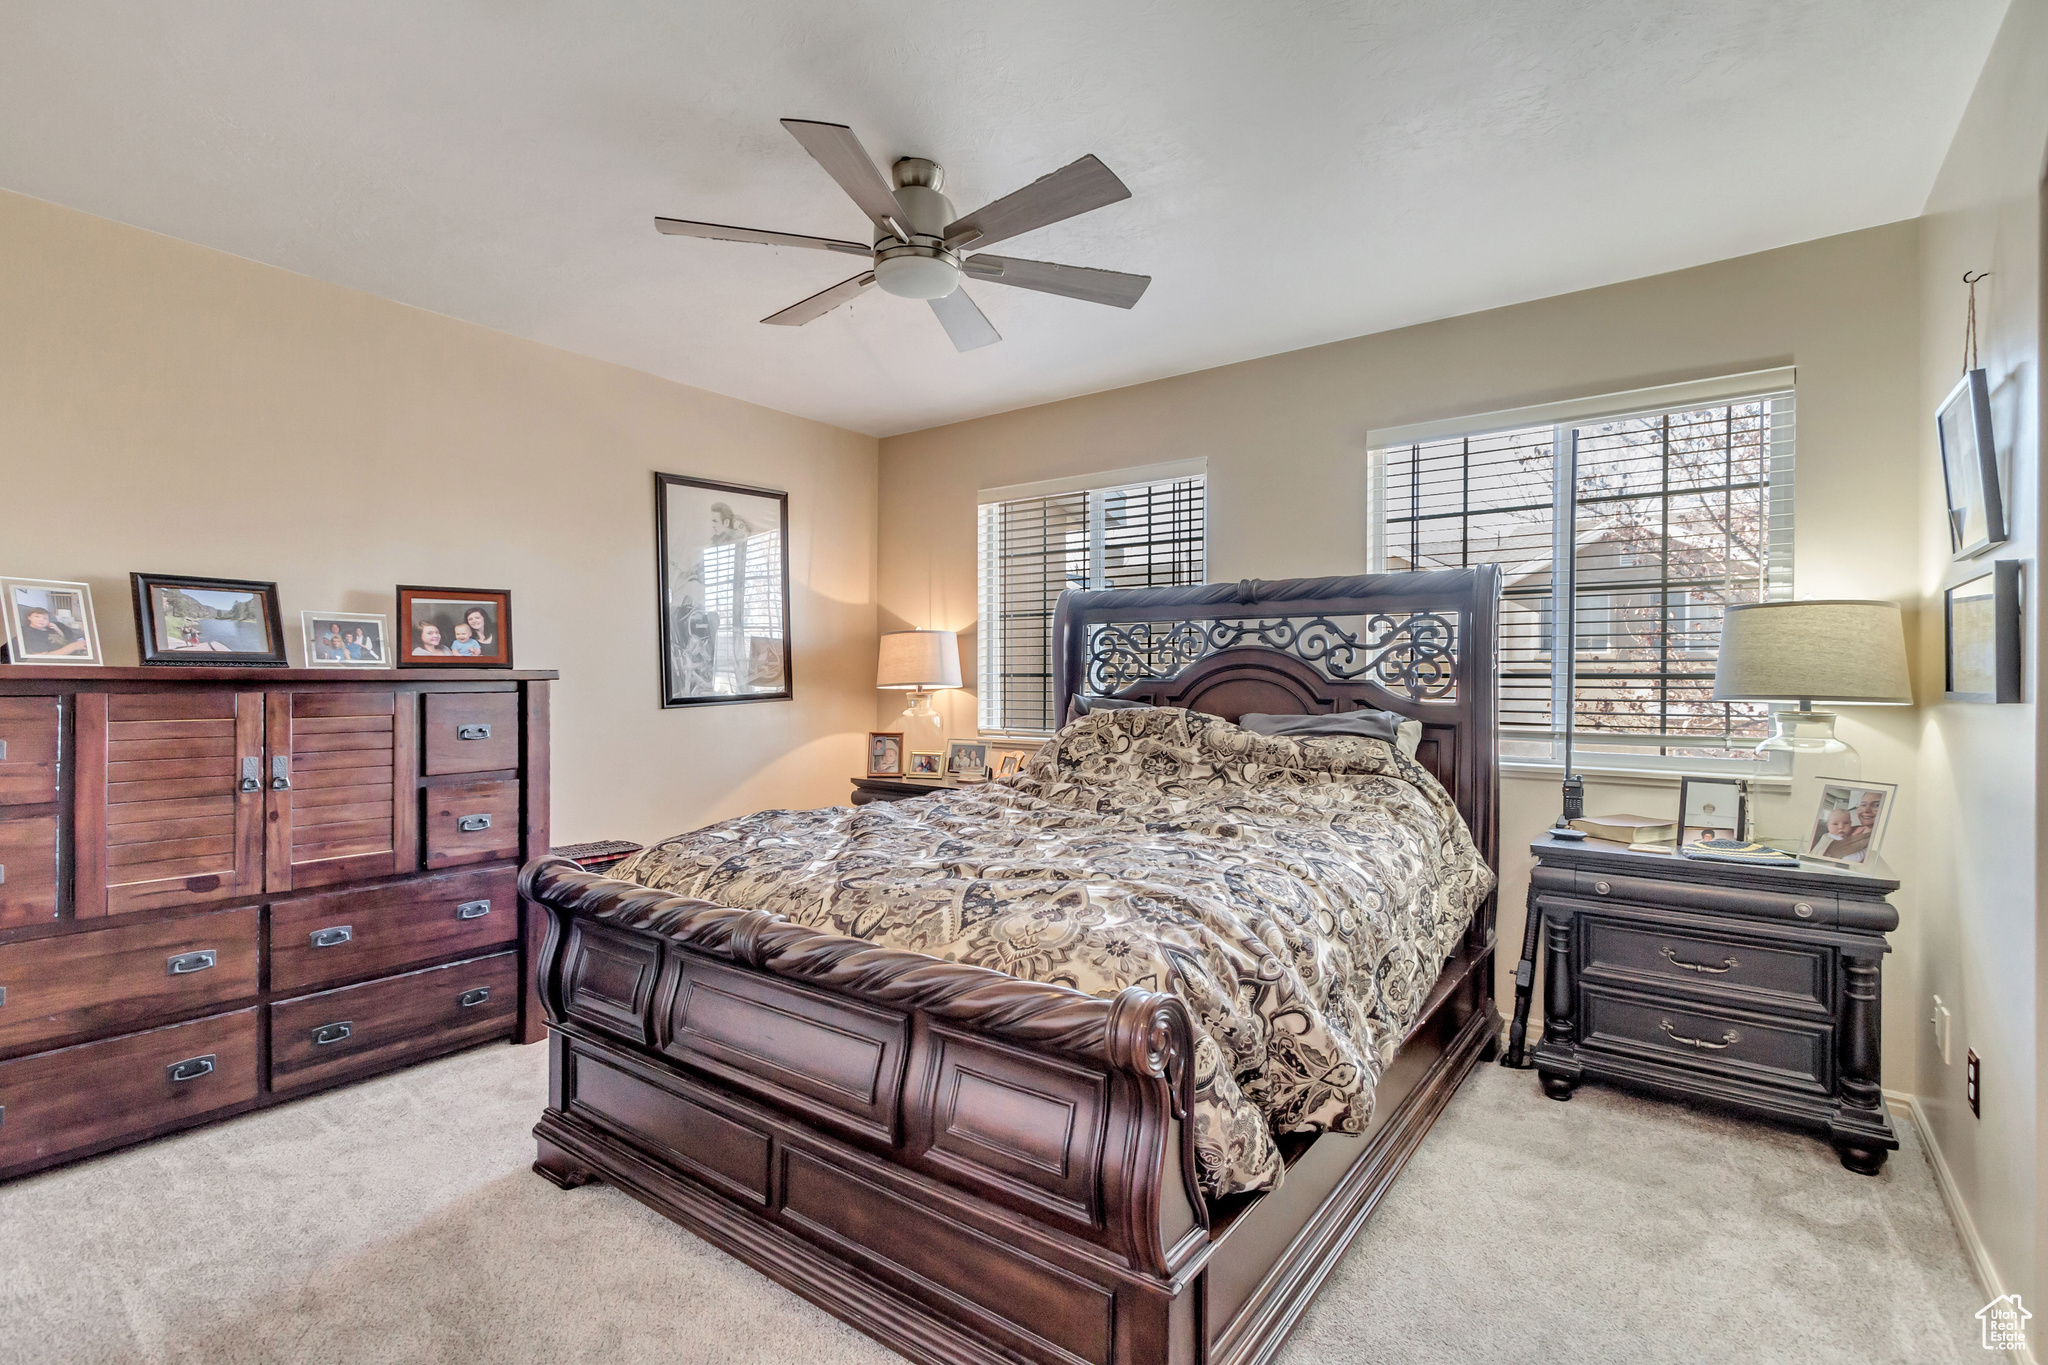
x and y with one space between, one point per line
455 627
885 753
1850 824
47 621
345 639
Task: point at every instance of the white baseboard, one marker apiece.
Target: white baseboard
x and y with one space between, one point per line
1908 1107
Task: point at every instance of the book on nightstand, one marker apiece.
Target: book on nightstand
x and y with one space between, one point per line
1633 830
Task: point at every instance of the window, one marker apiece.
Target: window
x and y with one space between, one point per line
1136 533
1681 509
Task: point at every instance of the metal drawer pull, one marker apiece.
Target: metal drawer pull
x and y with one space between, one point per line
472 910
280 772
186 963
334 937
472 732
252 774
1731 1036
1728 964
1602 887
1803 910
3 995
192 1068
332 1033
470 824
475 997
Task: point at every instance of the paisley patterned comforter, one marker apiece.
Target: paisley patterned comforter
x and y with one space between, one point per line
1298 894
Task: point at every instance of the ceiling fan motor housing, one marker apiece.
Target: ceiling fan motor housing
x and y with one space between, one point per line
921 268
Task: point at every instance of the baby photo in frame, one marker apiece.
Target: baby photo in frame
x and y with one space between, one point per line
885 753
1710 808
1850 824
47 621
454 627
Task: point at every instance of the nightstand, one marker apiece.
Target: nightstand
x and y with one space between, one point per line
866 789
1753 987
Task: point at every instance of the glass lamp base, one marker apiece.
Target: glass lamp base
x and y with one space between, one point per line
1808 739
924 731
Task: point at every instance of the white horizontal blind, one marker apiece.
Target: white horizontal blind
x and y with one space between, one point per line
1679 512
1032 549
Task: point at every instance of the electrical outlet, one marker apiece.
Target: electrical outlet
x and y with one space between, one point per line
1940 1020
1973 1085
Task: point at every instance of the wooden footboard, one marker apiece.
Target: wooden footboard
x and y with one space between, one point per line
967 1166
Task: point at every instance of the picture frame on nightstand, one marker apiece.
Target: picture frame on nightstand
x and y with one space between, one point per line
1711 808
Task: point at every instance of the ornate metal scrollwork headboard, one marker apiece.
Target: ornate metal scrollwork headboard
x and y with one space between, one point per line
1419 644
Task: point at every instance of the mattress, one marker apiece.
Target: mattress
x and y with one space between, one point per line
1299 894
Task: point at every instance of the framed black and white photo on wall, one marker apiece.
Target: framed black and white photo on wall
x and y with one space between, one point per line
1969 468
1986 634
723 581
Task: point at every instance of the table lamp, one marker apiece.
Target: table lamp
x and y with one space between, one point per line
1806 653
920 662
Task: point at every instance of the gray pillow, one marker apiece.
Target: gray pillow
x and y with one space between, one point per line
1399 731
1083 704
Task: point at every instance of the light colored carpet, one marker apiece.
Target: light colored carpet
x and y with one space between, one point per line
398 1222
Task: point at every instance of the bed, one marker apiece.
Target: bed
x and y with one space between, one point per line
972 1166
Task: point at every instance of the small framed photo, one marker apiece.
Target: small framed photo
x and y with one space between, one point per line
1850 824
967 760
1007 760
885 753
1986 636
926 764
345 639
48 622
455 627
1710 808
213 621
1969 468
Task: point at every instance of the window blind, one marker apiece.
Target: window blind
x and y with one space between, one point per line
1032 549
1677 513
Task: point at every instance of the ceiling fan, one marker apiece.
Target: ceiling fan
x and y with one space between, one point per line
918 239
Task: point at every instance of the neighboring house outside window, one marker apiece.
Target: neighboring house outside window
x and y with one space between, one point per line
1134 529
1682 508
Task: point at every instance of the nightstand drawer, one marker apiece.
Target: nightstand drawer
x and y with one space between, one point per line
1804 905
1781 1054
1648 958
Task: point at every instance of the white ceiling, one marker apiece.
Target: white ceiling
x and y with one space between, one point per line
1301 171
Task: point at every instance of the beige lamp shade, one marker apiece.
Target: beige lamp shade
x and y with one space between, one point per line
1837 651
920 660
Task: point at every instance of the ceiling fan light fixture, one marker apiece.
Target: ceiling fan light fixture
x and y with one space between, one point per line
915 272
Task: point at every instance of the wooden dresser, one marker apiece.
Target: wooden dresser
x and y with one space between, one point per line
221 888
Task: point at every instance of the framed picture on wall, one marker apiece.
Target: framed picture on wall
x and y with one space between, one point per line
1986 636
455 627
723 587
1969 468
48 622
345 639
213 621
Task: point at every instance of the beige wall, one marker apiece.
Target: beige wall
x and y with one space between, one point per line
1980 943
1284 438
173 409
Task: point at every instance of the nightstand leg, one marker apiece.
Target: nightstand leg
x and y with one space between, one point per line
1560 1028
1857 1058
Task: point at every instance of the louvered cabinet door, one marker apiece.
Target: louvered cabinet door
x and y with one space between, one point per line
342 776
169 801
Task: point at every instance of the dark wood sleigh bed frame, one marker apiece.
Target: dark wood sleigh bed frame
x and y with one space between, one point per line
971 1167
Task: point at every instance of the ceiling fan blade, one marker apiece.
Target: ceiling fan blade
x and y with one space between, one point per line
834 147
683 227
1070 190
822 302
965 322
1112 287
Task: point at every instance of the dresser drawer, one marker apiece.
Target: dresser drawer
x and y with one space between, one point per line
28 871
121 978
54 1103
472 823
472 732
1782 1054
1786 976
352 934
28 750
357 1029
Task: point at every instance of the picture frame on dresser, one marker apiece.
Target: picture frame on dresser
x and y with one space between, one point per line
722 585
48 621
182 619
454 627
346 639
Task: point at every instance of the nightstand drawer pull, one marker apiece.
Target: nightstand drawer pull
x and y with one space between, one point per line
1731 1036
1803 910
1602 887
1728 964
